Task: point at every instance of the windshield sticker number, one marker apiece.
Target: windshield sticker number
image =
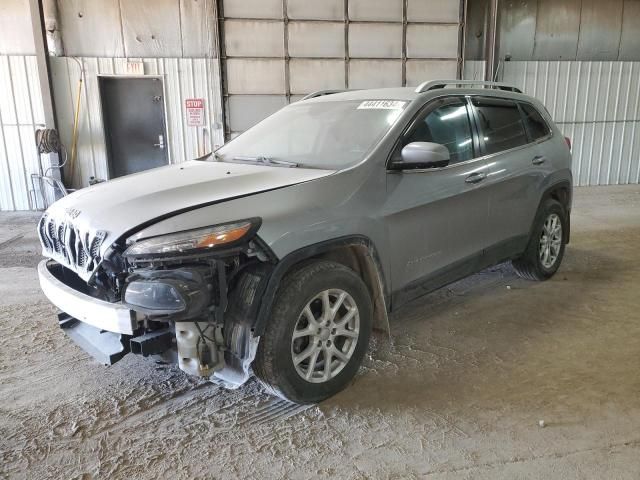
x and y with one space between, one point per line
382 105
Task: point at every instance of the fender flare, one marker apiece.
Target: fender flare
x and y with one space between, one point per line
286 263
547 194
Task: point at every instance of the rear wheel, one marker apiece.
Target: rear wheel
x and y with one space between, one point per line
545 249
318 333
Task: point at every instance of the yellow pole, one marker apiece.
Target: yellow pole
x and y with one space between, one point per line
74 138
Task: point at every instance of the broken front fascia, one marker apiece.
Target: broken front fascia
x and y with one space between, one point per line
184 301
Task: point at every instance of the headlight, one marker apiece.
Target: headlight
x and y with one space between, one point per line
190 241
183 292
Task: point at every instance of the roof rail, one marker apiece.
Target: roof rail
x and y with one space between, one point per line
322 93
434 84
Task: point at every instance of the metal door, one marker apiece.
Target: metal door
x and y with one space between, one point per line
516 172
436 217
134 124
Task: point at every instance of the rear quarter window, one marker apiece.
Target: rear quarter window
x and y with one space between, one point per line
534 122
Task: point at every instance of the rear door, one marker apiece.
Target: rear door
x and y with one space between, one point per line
436 217
515 172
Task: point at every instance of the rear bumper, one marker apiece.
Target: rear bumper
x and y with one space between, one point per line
102 315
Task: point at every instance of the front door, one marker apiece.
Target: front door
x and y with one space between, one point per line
437 217
134 125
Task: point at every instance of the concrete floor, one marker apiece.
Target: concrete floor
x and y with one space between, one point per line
457 393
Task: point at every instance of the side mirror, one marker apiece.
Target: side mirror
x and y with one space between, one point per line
419 155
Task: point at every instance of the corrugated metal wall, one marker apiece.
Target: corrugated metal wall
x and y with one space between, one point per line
183 78
595 104
558 30
276 51
20 115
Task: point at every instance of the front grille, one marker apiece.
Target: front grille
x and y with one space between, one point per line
66 243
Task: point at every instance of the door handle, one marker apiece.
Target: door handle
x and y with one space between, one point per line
538 160
475 177
160 143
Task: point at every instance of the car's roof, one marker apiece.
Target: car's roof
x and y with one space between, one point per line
403 93
409 93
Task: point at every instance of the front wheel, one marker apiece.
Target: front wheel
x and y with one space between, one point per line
545 250
318 334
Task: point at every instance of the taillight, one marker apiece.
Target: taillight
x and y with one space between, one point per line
568 140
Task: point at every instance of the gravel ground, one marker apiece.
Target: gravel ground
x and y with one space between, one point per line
456 391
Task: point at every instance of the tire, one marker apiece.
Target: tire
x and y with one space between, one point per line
304 382
533 265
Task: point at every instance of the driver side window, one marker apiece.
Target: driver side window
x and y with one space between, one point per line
447 124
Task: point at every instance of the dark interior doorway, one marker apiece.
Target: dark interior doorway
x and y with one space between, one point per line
134 123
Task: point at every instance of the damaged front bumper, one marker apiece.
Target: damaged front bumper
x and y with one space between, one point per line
108 331
98 313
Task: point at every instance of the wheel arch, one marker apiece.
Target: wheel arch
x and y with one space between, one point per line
562 192
356 252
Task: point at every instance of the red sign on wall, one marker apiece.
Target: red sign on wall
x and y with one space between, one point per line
195 112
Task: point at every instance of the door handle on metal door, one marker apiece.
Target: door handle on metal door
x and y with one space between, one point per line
160 143
476 177
538 160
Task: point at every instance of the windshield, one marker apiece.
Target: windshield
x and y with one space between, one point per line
331 135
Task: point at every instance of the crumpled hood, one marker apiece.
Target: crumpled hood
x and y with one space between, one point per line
120 205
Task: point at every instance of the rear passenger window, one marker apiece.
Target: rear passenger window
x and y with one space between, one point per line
500 123
536 126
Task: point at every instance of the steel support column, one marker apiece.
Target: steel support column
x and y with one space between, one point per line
491 41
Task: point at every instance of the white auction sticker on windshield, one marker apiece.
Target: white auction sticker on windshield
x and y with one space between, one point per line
382 105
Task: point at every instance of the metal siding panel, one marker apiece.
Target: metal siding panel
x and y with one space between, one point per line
203 142
432 41
16 167
316 10
98 18
266 38
557 30
198 27
187 85
252 9
310 75
15 25
600 29
445 11
34 88
21 97
321 39
602 128
518 29
419 71
6 97
473 70
63 97
255 76
375 73
215 105
6 186
474 30
247 110
151 28
85 156
381 10
94 116
375 40
630 36
175 101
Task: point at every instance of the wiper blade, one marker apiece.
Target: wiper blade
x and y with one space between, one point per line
205 157
260 160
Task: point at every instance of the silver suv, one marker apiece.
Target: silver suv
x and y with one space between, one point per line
279 253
